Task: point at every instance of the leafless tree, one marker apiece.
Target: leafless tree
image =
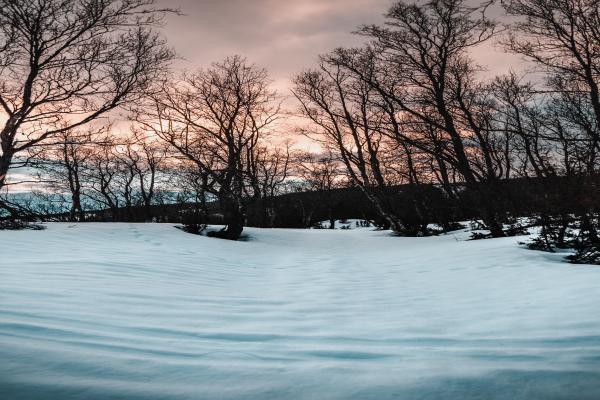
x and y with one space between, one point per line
144 159
321 173
214 118
426 78
61 164
268 168
65 63
561 38
103 176
338 104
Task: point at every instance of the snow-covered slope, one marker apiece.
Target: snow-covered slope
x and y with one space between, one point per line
133 311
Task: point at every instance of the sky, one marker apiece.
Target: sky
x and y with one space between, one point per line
284 36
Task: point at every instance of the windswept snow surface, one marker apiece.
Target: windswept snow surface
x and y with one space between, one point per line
133 311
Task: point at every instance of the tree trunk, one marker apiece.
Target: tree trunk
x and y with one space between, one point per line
234 218
493 225
487 196
589 230
306 215
148 210
5 161
562 231
76 213
271 214
384 212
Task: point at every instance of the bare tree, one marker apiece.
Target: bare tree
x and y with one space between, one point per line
214 118
425 74
65 63
61 164
103 177
268 168
339 106
561 38
321 173
144 159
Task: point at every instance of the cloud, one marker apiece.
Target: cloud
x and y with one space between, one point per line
283 36
286 36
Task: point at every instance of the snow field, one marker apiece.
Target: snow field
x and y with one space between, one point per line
146 311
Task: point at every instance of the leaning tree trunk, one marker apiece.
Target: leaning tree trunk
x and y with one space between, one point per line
382 207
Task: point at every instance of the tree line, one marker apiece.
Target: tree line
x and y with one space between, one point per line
410 108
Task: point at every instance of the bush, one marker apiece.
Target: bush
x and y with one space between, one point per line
516 229
540 243
453 227
586 255
480 235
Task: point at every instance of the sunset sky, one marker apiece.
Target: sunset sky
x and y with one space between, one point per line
285 37
282 36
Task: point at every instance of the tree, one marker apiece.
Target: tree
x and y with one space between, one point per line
321 173
215 118
65 63
144 159
561 38
62 164
339 106
429 84
268 168
104 177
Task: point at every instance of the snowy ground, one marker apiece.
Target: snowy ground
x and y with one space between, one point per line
132 311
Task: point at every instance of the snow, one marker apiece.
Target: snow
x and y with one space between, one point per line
146 311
